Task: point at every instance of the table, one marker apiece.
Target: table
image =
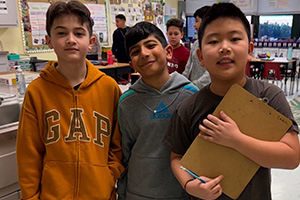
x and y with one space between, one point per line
288 72
115 69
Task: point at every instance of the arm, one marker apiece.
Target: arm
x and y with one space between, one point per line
115 150
30 151
187 67
127 143
114 45
202 80
269 154
210 190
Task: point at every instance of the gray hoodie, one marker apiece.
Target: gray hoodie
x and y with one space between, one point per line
144 114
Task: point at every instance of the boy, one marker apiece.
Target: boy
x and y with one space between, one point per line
118 46
68 144
144 113
180 53
224 49
193 71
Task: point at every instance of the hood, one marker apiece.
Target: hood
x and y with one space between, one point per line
160 100
176 81
52 75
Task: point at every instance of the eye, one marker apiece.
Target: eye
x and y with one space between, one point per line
61 33
79 34
235 39
134 52
213 42
151 46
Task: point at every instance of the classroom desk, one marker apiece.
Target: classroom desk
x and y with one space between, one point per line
115 70
290 72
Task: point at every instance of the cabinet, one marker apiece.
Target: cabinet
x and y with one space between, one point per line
13 196
9 17
3 61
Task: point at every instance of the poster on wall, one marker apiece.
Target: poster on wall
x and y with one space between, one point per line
33 15
98 15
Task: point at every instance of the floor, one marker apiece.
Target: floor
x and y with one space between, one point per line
285 183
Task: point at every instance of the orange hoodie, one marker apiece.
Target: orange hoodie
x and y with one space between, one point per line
68 144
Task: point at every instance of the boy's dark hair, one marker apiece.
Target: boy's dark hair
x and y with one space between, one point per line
121 16
201 12
73 7
141 31
175 22
221 10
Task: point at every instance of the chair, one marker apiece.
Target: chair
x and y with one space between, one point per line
271 71
124 81
248 73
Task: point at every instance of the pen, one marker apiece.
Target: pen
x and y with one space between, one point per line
194 175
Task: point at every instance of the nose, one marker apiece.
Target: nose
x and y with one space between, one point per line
144 52
71 39
224 48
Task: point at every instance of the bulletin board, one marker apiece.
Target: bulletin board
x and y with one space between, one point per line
154 11
33 22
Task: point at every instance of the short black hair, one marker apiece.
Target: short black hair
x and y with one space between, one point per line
223 10
73 7
201 12
175 22
141 31
121 16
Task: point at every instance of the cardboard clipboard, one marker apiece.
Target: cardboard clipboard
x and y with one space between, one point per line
254 118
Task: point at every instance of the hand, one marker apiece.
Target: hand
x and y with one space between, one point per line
209 190
223 131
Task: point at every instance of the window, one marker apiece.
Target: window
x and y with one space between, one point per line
248 18
191 31
275 26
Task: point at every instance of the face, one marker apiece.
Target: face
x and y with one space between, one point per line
149 58
70 39
225 49
197 23
120 23
174 35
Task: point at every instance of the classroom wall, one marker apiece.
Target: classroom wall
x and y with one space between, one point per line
12 40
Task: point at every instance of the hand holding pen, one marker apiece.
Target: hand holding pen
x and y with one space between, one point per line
210 190
194 175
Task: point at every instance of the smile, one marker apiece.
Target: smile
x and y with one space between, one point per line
225 61
147 64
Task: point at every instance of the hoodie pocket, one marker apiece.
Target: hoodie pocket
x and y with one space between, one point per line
61 181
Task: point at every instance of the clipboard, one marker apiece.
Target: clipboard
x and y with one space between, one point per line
254 118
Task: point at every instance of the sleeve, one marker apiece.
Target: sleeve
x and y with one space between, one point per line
202 80
128 141
177 137
186 71
281 104
186 57
115 150
30 151
114 45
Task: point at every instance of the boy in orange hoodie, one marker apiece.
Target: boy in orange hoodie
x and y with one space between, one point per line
68 144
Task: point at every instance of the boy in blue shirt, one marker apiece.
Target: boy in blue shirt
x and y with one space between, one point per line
225 49
144 114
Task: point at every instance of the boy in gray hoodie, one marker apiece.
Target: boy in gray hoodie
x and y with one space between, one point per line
144 113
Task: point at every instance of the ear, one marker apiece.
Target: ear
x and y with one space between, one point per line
250 51
182 34
92 42
48 40
131 65
200 57
169 52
